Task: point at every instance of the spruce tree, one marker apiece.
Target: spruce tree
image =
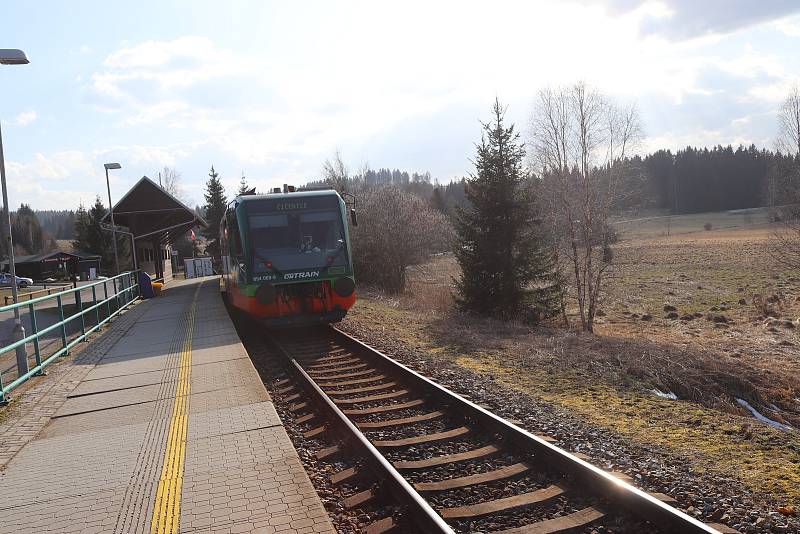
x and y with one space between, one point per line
27 232
99 240
214 209
243 187
507 268
91 237
81 230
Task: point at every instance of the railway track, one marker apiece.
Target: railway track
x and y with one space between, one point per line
452 465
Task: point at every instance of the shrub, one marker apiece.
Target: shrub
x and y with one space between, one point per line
396 229
708 226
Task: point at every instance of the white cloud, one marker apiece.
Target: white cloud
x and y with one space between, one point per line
170 65
62 179
790 27
58 166
159 112
687 19
774 92
753 63
25 118
56 181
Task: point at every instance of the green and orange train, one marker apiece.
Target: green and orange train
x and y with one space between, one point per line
286 256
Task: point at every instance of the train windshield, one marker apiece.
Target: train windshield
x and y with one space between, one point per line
294 240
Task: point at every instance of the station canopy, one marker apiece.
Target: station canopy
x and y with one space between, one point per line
150 211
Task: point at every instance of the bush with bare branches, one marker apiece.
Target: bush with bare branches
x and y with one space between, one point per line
396 230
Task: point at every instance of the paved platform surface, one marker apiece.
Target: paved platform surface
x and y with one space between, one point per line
161 425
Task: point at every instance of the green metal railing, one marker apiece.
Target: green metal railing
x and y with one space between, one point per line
124 291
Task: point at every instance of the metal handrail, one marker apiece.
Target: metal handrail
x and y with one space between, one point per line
125 292
30 294
65 292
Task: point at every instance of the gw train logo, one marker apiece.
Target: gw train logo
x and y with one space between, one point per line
294 276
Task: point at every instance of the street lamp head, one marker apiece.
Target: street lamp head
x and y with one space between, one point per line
12 56
110 166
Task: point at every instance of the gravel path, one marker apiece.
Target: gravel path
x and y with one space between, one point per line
706 496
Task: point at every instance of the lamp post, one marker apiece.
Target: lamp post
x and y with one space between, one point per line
111 210
12 57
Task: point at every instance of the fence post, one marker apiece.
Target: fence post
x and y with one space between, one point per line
116 296
63 324
108 304
35 331
123 288
79 306
3 399
94 303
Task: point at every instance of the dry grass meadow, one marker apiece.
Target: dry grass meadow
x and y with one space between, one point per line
729 331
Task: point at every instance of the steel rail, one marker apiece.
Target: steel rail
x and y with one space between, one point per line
597 481
421 513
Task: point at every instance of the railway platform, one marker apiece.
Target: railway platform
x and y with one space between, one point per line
160 425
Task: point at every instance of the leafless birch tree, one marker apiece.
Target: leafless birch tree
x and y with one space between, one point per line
789 123
784 182
335 172
580 142
171 182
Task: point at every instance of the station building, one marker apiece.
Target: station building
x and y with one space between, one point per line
155 219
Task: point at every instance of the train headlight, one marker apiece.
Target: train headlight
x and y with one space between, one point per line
266 294
344 287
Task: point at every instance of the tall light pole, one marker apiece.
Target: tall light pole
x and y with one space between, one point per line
12 57
111 210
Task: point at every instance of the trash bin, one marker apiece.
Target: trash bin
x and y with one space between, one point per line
145 285
157 286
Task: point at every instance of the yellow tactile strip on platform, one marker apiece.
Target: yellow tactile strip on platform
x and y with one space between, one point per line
136 513
166 510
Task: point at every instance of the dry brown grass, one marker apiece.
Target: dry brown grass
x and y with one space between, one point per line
431 286
725 272
607 378
607 381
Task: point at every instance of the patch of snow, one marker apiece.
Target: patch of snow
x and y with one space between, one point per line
668 395
761 417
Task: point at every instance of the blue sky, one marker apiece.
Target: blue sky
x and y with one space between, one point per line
273 89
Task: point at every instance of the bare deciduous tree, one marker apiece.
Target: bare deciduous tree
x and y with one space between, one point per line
789 123
171 183
580 142
784 182
335 172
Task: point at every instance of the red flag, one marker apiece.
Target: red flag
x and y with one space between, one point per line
193 236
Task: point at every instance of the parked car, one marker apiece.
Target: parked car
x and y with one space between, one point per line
5 281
